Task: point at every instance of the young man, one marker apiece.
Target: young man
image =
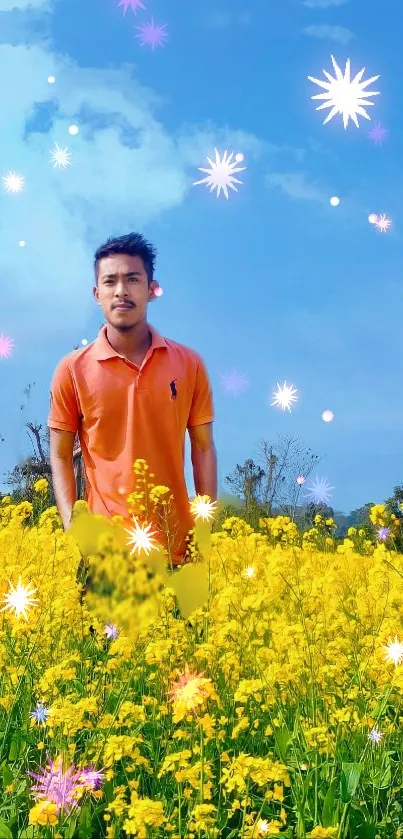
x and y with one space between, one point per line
131 394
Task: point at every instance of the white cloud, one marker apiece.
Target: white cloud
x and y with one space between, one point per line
296 185
127 170
11 5
323 4
334 33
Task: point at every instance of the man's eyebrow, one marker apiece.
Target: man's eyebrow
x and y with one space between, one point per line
128 274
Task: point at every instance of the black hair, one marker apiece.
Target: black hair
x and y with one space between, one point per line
132 244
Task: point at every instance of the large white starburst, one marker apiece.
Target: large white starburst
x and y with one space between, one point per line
320 491
346 96
13 182
202 507
60 157
220 176
284 396
394 651
141 538
19 599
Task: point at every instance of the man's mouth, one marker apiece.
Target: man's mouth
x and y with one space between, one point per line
123 306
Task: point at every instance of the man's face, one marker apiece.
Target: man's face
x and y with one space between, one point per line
122 280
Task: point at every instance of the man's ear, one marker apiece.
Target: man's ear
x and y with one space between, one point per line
151 291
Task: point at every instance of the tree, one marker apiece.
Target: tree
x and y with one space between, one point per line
393 503
272 485
283 463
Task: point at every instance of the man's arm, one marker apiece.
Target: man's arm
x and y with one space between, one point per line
63 477
204 459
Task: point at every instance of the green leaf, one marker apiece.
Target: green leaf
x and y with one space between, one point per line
350 778
328 811
70 831
283 740
28 833
5 832
84 824
7 775
381 774
15 746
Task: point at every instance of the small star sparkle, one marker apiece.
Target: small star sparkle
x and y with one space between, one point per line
394 651
320 490
345 96
40 714
300 480
13 182
60 157
152 34
284 396
141 538
234 382
383 533
383 223
131 4
202 507
6 345
221 174
19 599
375 736
378 134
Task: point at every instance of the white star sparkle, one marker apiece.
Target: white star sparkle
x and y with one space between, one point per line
394 651
383 223
221 174
202 507
60 157
19 600
284 396
346 96
13 182
141 538
320 490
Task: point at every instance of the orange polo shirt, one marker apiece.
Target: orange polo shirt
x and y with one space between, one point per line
123 412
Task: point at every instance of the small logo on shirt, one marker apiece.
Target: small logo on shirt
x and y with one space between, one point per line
174 392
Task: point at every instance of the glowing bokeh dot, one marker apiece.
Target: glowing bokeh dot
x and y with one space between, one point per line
373 218
239 157
335 201
84 342
21 243
328 416
73 129
51 79
159 291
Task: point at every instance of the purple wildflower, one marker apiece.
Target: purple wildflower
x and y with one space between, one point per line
64 787
111 631
383 533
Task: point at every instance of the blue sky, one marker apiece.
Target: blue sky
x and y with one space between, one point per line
274 282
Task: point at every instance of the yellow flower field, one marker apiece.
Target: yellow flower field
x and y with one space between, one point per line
257 691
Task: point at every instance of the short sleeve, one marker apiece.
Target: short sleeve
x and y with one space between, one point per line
202 407
64 412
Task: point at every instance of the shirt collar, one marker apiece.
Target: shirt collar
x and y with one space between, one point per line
103 350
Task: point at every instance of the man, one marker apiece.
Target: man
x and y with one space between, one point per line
131 394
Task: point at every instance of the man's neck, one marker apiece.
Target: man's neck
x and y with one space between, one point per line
132 343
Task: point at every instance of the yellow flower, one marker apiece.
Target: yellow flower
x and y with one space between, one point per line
41 485
43 813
